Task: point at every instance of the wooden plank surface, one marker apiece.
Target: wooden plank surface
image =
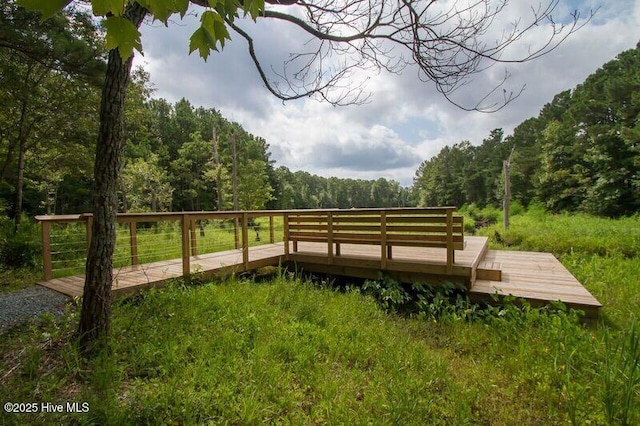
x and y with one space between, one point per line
537 277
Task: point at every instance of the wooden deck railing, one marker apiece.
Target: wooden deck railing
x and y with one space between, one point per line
189 223
416 227
423 227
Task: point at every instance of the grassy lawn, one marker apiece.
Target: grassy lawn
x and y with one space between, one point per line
287 351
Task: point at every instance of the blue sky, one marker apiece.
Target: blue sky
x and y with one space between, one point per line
405 121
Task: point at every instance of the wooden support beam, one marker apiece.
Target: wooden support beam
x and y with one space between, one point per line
384 250
272 238
236 236
286 235
133 243
245 240
46 251
330 237
450 241
186 261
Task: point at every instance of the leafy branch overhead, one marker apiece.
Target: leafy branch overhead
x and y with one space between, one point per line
123 35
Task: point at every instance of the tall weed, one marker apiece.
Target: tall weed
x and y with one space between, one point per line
620 376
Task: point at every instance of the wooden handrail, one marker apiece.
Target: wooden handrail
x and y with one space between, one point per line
187 221
419 227
337 223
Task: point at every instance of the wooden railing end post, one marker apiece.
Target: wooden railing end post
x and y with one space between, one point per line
245 240
46 251
133 242
186 261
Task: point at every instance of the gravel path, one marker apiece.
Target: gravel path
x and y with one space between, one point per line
21 306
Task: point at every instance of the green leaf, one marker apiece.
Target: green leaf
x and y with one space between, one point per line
228 8
181 7
161 10
104 7
254 8
203 42
47 8
123 35
221 31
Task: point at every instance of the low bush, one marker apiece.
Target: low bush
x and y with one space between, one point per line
20 247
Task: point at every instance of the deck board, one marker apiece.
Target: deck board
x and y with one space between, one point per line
537 277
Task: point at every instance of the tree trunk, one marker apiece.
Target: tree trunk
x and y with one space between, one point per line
17 209
23 134
95 317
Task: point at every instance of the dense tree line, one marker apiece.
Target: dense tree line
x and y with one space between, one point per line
180 157
302 190
581 153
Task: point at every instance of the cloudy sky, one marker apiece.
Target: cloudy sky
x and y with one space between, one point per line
405 120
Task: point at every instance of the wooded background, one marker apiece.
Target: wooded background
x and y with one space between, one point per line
581 153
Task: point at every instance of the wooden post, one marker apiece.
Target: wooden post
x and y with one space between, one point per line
383 240
286 235
272 238
449 241
245 240
186 261
295 242
330 237
194 238
236 236
133 242
46 250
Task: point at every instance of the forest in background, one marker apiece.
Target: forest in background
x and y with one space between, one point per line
580 154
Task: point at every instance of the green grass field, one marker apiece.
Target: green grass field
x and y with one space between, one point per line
287 351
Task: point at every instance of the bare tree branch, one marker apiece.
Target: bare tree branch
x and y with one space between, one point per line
449 45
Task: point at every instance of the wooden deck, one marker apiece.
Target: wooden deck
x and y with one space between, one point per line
131 279
537 277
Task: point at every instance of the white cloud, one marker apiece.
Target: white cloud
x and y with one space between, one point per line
405 122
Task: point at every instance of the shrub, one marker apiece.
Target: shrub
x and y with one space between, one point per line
516 208
19 248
